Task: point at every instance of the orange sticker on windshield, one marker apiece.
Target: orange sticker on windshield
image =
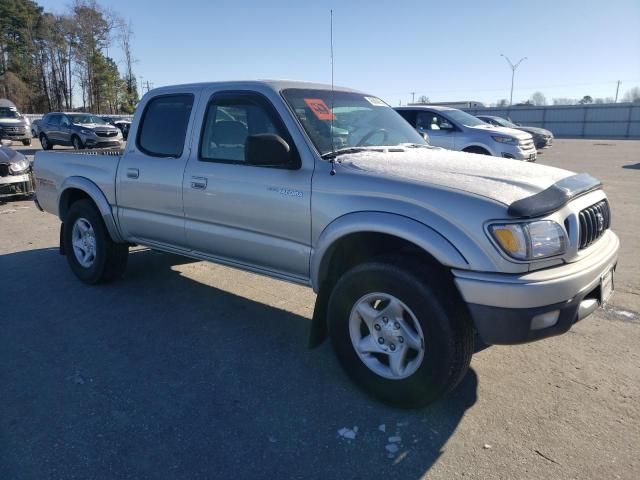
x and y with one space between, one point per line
319 109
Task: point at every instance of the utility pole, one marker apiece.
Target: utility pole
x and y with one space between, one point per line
413 97
513 72
617 90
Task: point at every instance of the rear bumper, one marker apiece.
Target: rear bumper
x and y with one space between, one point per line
503 307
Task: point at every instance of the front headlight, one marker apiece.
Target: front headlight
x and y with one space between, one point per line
501 139
86 131
19 166
530 241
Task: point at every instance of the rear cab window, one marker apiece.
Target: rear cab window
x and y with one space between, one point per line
163 125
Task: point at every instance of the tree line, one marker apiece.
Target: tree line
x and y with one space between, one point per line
52 62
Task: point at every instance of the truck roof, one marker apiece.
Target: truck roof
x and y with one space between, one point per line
276 85
423 107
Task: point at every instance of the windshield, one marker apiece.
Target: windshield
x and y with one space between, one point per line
85 118
504 122
463 118
8 113
356 120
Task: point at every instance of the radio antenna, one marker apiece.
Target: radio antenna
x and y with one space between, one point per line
333 147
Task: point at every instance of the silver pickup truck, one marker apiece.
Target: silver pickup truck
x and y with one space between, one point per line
416 253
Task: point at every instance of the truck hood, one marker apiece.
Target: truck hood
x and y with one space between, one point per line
13 122
8 155
511 132
95 126
499 179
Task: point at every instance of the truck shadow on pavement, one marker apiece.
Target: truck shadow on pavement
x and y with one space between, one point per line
161 376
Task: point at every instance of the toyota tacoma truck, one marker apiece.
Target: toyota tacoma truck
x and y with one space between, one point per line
415 252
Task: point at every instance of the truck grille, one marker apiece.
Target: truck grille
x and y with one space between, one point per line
14 129
4 170
594 221
107 133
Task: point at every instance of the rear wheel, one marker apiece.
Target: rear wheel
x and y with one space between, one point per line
399 333
91 253
44 142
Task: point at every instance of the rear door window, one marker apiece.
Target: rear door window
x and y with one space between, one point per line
164 123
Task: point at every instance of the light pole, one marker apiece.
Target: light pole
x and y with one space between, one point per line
513 72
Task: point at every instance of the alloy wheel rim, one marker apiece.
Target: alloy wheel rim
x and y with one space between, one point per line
83 239
386 336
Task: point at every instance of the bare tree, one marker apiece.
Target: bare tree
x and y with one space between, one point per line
423 99
632 95
538 99
564 101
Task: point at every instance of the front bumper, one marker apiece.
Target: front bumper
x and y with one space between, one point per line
517 153
16 185
542 142
503 307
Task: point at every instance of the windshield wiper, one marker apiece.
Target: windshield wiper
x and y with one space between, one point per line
414 145
343 151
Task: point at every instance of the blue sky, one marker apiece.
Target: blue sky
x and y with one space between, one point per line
445 50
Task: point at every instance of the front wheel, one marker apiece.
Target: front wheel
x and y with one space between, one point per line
76 143
91 253
26 142
399 333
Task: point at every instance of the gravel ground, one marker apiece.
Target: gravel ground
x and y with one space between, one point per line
190 370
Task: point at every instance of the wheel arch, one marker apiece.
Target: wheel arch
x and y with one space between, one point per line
357 237
76 188
479 146
395 228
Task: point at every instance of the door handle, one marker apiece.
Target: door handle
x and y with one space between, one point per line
133 173
199 183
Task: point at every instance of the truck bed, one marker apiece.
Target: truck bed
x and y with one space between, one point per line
52 169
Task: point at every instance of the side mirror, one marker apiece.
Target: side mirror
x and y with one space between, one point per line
446 126
267 150
425 137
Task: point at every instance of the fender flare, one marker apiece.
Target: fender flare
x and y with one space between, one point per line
396 225
98 197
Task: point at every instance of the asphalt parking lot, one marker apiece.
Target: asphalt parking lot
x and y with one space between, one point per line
185 369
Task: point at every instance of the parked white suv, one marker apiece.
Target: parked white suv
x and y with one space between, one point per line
454 129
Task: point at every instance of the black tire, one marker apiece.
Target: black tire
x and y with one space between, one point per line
45 143
110 258
478 150
26 142
76 143
448 334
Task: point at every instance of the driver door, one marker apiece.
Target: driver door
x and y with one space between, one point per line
442 132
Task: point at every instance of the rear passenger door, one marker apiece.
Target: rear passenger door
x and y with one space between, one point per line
254 216
149 178
51 127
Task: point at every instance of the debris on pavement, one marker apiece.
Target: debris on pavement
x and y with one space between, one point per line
349 434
